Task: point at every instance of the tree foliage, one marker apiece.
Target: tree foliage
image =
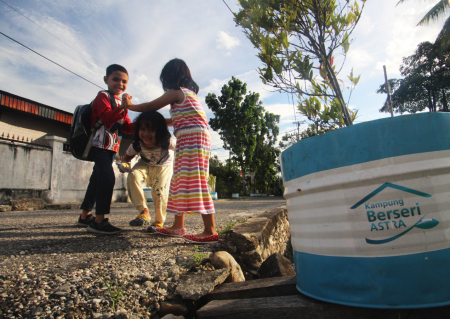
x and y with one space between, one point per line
288 139
227 176
266 166
320 119
244 126
426 82
297 42
311 130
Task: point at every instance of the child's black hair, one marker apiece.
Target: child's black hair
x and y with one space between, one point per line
175 74
155 120
115 67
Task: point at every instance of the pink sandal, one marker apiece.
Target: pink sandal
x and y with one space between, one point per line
206 240
171 232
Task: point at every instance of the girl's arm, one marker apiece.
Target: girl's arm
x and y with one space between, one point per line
169 122
169 97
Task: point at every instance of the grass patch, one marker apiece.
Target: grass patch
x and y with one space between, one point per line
115 292
197 256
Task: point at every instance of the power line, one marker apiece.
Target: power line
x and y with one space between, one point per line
51 60
44 29
62 42
228 7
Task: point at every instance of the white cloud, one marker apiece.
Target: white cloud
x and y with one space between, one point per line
405 39
366 24
359 58
386 34
226 41
288 113
145 88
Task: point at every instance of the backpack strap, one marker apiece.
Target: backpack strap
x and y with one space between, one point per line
145 159
164 155
116 126
98 124
112 100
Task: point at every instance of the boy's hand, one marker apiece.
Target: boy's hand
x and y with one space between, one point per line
126 101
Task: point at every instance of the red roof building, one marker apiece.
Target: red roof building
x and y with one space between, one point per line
30 121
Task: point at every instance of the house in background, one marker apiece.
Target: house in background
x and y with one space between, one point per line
35 161
26 119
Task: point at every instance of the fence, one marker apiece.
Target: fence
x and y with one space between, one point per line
46 171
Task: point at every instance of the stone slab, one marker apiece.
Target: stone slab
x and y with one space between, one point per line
271 287
194 286
258 238
5 208
27 204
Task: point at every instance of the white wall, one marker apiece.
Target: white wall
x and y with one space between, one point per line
27 167
24 167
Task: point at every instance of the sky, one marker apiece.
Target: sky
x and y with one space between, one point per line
142 35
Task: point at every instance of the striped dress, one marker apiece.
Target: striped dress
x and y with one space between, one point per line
189 188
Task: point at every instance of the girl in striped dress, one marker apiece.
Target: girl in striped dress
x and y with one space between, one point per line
189 192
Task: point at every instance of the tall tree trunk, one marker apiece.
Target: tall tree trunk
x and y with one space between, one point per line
444 102
430 104
433 94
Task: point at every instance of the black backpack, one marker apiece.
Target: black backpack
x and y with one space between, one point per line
81 134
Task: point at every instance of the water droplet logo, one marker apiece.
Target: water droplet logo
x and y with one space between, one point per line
423 224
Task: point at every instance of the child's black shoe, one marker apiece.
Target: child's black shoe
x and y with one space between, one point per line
85 222
104 228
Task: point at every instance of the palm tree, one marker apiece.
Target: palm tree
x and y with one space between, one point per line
443 39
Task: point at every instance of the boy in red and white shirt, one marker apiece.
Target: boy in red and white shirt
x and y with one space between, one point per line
104 148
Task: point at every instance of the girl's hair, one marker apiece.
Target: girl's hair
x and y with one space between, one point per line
175 74
155 120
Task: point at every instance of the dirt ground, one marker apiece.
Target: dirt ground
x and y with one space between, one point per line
42 252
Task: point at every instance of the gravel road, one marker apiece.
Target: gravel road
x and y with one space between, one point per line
52 269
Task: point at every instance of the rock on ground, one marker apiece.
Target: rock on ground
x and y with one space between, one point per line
276 266
173 308
195 286
28 204
222 259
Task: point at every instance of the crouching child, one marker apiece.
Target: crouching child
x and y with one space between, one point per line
153 142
